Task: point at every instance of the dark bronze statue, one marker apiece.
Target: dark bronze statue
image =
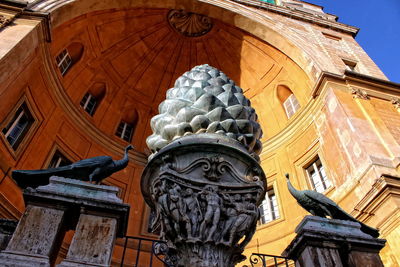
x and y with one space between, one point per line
93 169
319 205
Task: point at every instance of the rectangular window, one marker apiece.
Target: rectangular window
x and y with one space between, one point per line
317 175
59 160
269 209
64 61
125 131
291 105
350 65
18 127
89 103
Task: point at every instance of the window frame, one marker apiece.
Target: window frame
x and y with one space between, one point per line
293 103
60 154
350 65
273 210
323 179
122 135
90 97
36 117
61 59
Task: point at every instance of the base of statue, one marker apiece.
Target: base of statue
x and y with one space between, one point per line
198 254
333 243
95 212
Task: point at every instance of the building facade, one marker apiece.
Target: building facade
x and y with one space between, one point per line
82 78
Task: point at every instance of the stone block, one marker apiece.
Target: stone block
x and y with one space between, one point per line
328 242
95 210
93 242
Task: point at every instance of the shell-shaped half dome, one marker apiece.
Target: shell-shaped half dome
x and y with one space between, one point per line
205 100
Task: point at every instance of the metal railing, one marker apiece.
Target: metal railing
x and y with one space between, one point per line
138 252
145 252
265 260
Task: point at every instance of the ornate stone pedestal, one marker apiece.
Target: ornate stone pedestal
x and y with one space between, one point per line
335 243
58 207
205 190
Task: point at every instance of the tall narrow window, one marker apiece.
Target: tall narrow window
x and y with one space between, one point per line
58 160
317 175
125 131
18 127
291 105
69 56
89 103
269 209
129 120
288 100
64 61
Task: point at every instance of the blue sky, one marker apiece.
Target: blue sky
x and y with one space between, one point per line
379 23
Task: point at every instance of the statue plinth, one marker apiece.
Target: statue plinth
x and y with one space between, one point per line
204 190
328 242
67 204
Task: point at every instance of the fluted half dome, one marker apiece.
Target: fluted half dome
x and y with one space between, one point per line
205 100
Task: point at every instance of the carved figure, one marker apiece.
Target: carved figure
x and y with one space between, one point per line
231 214
193 211
247 214
178 213
319 205
213 211
93 169
162 210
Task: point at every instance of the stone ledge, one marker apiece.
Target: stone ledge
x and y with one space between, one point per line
331 233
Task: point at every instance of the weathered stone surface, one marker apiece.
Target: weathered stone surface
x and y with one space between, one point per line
93 242
36 236
7 228
204 189
329 242
52 209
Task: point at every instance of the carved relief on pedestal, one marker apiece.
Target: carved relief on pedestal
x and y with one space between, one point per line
205 203
189 24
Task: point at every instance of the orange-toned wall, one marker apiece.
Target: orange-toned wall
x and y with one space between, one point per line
138 56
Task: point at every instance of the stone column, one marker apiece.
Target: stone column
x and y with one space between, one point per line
333 243
65 204
205 190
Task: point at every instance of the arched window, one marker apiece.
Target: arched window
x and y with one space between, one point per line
69 56
91 100
127 126
288 100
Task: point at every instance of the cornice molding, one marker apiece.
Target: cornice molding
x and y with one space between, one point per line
372 86
301 15
384 188
17 11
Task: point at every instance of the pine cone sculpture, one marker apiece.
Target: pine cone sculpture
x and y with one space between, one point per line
205 100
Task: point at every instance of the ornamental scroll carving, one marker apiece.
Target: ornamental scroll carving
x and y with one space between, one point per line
189 24
197 208
4 21
358 93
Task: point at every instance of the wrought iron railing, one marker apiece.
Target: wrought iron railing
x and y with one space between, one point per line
145 252
265 260
138 252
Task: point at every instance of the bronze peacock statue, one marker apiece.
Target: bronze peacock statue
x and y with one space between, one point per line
319 205
93 169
